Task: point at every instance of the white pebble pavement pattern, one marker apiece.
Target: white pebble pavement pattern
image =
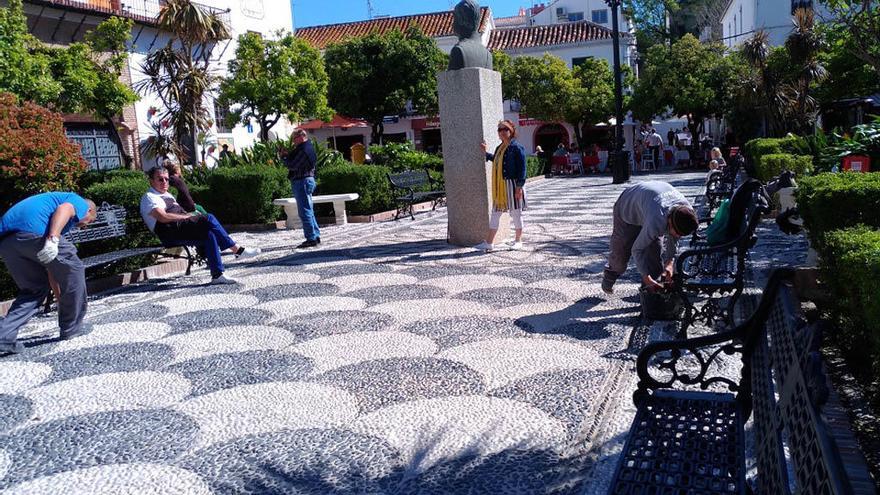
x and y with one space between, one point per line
385 361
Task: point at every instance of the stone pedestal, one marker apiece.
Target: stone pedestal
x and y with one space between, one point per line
470 108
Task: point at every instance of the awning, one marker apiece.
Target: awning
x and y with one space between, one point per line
338 122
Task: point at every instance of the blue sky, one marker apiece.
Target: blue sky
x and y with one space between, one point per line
314 12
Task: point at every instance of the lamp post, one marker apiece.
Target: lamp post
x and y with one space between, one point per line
620 163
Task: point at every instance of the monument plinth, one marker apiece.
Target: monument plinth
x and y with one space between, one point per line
470 109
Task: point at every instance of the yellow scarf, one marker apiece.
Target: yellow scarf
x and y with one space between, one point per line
499 188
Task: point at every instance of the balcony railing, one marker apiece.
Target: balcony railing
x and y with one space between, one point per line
146 11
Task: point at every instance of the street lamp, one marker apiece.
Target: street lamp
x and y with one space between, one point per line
620 163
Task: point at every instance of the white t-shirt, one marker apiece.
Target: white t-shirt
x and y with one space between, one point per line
655 140
153 199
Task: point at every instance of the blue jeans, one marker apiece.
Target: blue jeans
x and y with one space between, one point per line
202 231
302 191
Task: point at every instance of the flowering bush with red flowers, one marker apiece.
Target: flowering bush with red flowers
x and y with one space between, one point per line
35 154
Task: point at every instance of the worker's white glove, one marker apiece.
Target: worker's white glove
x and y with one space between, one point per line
49 251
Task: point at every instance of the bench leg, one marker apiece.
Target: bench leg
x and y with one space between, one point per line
339 211
189 260
292 222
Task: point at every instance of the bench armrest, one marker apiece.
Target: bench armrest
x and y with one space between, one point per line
676 358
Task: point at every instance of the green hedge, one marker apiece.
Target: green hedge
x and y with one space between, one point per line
93 177
850 263
534 166
400 157
757 148
774 164
243 195
369 181
836 201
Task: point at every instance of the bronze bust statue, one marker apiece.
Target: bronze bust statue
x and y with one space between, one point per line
469 51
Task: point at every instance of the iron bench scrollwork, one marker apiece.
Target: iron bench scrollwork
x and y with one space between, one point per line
412 182
707 273
689 433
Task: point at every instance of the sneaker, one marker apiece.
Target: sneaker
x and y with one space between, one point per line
83 330
308 244
516 246
484 246
245 253
11 347
222 280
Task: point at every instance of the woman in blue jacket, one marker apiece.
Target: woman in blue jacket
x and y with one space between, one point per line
508 180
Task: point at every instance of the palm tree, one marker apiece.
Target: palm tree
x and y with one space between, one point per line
765 86
180 73
803 46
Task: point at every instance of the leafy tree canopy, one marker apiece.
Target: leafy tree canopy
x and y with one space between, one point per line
269 79
377 75
688 78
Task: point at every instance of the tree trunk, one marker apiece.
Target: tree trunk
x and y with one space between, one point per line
578 133
126 158
264 130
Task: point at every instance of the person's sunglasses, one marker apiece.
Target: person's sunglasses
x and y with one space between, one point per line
503 129
162 179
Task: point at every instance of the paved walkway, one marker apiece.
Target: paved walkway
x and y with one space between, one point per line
385 362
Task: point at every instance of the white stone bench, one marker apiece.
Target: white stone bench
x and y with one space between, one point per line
338 201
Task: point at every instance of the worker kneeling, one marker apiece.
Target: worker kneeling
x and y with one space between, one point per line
643 214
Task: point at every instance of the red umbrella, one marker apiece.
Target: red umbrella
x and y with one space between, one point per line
338 122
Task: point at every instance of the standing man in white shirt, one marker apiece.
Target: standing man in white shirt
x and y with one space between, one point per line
175 227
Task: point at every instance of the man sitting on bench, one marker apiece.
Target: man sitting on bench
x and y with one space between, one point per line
643 214
175 227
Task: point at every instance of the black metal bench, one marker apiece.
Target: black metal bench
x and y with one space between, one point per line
110 224
413 182
695 396
710 272
721 184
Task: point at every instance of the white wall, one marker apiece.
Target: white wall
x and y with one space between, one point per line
743 12
548 16
597 49
773 16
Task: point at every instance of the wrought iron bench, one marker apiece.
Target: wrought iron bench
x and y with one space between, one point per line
710 272
413 181
110 224
721 184
689 432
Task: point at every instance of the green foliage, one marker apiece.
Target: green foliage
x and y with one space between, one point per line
848 76
862 140
269 79
369 181
401 156
327 156
375 76
861 21
93 177
24 70
688 78
244 194
836 201
850 266
772 165
534 166
35 154
757 149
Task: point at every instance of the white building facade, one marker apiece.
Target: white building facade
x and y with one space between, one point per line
742 18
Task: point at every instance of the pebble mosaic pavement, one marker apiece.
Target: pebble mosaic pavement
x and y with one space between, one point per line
385 362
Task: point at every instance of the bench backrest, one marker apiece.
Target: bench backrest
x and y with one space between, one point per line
409 179
109 223
747 204
794 447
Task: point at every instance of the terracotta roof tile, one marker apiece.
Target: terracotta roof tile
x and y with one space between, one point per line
434 25
554 34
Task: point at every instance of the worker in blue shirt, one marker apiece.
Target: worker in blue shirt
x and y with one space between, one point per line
32 247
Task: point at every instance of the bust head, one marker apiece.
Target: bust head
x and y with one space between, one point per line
466 18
